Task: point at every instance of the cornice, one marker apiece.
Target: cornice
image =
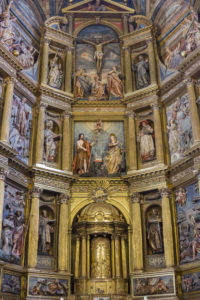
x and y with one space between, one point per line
10 58
27 82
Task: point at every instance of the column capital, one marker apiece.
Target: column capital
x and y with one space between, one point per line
3 173
126 48
10 80
70 48
131 114
36 191
155 105
165 192
64 198
189 81
66 114
135 198
46 40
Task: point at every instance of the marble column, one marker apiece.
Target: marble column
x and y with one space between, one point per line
152 65
113 255
132 142
68 70
45 61
2 189
34 228
128 71
193 111
84 256
124 259
167 228
137 242
77 257
63 245
7 109
88 256
158 133
117 257
66 146
40 134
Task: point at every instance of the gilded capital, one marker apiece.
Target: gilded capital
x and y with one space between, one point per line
64 198
2 174
165 192
36 191
155 106
10 80
67 114
135 198
131 114
41 106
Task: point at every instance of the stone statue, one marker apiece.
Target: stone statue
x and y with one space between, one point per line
141 70
50 145
45 229
7 34
154 232
55 76
145 138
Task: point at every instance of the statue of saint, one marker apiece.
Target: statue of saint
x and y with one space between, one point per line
82 158
141 70
154 232
7 34
45 230
113 158
115 86
145 138
55 77
50 145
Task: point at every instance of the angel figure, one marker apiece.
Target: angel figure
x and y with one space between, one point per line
181 197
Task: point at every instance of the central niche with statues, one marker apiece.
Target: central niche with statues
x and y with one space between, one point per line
100 265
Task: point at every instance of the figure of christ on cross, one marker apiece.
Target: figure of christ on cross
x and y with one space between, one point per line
98 55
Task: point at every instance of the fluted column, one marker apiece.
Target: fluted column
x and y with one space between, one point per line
2 189
63 245
40 133
66 147
193 111
117 257
113 255
167 228
128 72
84 256
68 70
7 109
33 228
152 65
132 142
124 260
158 133
88 256
137 242
45 61
77 257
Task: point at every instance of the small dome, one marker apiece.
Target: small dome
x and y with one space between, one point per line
100 212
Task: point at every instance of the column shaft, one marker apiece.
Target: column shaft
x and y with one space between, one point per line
125 23
2 188
88 256
7 109
84 257
113 256
63 246
117 257
45 60
33 229
167 229
40 134
68 71
158 134
132 143
66 149
124 260
77 257
128 71
152 65
137 233
193 111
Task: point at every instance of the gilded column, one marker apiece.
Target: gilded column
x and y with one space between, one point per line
132 142
167 228
117 257
125 23
33 228
2 188
8 100
71 23
124 260
113 255
45 61
68 70
193 111
77 257
158 133
40 133
63 246
66 147
84 256
137 242
88 256
128 71
152 65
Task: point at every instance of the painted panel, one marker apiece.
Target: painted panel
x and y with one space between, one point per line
190 282
20 127
11 284
179 128
99 149
48 287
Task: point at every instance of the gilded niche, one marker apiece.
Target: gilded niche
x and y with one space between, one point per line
101 267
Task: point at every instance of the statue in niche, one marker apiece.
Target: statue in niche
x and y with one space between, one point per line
145 138
154 231
98 55
115 86
174 140
141 69
55 77
181 197
46 229
113 158
81 162
6 28
18 234
50 142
